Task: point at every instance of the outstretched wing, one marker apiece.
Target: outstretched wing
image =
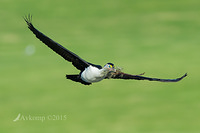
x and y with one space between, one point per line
66 54
121 75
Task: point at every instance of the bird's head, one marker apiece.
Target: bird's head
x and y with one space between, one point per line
110 67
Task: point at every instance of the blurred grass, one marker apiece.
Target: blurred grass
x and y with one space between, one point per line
160 38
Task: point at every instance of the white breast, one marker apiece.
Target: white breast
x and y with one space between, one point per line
92 74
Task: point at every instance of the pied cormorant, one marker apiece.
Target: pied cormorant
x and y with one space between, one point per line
89 73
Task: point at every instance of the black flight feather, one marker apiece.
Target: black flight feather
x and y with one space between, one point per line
121 75
59 49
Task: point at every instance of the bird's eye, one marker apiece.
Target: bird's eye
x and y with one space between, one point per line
110 66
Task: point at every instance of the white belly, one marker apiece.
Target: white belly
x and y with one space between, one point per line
92 74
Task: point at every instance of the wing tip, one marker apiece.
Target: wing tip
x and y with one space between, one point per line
28 20
179 79
184 76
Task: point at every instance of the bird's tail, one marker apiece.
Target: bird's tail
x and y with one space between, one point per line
77 78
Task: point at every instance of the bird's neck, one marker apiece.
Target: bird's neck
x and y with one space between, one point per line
104 71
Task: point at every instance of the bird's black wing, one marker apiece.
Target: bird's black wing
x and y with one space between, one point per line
121 75
59 49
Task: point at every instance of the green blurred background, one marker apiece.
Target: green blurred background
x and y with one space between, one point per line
158 37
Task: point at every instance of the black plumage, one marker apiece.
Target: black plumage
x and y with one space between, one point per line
121 75
78 62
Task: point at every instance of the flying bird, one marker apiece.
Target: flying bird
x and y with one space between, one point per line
89 72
